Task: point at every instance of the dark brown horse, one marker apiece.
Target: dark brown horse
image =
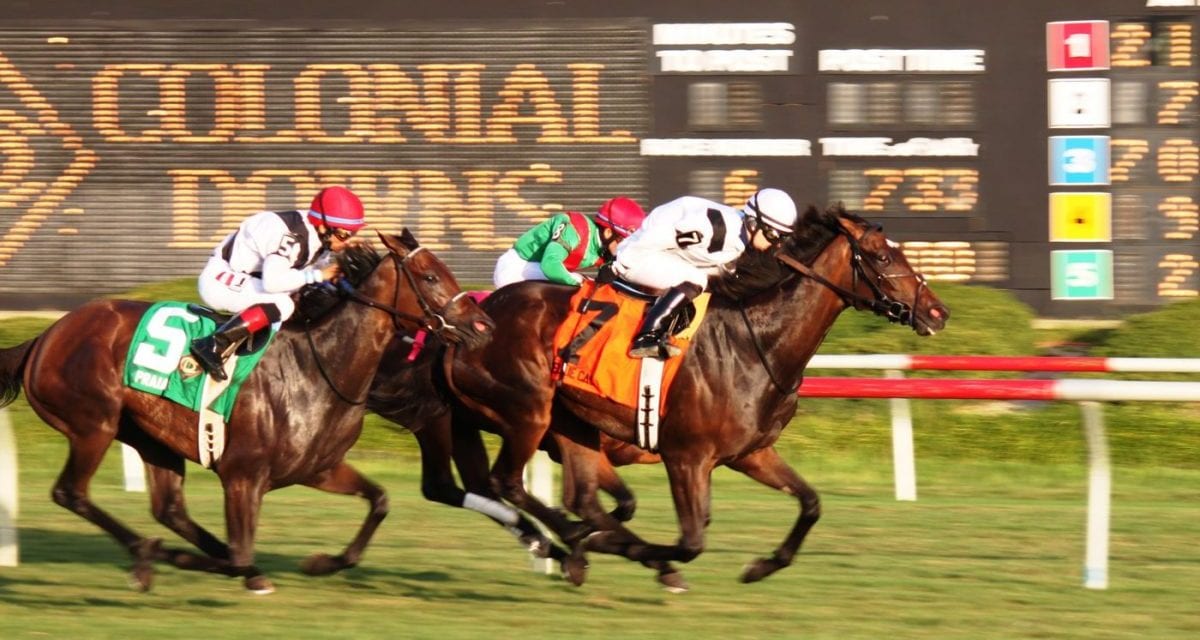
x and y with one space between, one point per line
734 393
297 416
410 390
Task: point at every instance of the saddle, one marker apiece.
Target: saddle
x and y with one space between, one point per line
591 346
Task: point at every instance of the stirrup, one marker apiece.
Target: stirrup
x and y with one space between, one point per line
660 348
203 352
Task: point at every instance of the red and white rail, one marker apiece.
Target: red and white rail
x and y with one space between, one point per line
1065 389
1088 392
903 362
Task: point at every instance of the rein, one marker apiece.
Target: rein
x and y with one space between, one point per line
432 321
881 304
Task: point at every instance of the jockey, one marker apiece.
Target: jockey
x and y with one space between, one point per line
567 242
685 241
255 269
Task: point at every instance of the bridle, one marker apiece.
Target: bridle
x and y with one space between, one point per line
432 321
881 303
867 269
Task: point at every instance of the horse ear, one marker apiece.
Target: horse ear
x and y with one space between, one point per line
393 243
408 239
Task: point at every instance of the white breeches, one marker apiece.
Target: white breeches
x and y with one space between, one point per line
231 291
511 268
658 270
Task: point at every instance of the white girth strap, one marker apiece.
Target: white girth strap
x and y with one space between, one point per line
649 392
211 429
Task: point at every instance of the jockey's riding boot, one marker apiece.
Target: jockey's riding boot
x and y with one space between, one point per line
212 351
652 339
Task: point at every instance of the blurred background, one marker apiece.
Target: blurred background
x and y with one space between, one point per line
1038 160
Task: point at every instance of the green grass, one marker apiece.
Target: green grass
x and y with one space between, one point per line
990 550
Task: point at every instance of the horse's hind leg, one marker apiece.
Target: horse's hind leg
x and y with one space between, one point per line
346 480
71 492
767 467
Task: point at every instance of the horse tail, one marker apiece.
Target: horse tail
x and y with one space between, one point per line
12 368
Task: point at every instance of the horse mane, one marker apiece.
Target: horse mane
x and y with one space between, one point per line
315 301
357 261
758 271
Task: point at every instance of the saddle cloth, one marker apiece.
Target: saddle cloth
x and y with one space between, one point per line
592 345
159 361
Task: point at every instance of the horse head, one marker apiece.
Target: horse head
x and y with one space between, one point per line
424 282
874 273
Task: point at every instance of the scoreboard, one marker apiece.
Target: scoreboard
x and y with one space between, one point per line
1053 151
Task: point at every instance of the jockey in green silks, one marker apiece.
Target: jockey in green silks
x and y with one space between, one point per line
558 247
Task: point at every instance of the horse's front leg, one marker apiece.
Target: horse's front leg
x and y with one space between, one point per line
346 480
169 508
691 489
243 500
470 458
767 467
584 471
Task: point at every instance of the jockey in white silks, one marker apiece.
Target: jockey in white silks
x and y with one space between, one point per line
684 242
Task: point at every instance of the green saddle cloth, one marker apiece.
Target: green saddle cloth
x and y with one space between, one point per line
159 361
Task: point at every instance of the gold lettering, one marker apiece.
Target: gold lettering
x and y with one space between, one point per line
1178 160
1178 269
106 101
308 113
1179 95
1184 216
526 86
237 201
739 185
928 189
1126 154
19 136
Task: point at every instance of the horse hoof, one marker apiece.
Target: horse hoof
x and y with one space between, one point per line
322 564
574 569
673 582
144 552
760 569
141 577
259 585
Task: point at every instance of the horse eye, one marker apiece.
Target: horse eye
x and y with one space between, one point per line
883 258
430 278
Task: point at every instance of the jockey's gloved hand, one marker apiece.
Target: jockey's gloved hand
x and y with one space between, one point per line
606 274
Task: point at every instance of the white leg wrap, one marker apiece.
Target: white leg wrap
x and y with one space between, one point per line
502 512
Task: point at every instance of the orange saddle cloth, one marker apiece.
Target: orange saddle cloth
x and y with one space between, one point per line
592 346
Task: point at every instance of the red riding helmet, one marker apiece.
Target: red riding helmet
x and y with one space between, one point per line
337 208
622 215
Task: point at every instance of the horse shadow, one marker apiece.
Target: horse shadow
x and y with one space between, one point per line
46 550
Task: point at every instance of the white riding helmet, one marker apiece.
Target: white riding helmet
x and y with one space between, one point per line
773 207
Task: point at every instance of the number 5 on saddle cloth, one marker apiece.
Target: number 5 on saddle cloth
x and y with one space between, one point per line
592 350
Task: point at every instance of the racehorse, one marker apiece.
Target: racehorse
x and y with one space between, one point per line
298 413
733 395
409 389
